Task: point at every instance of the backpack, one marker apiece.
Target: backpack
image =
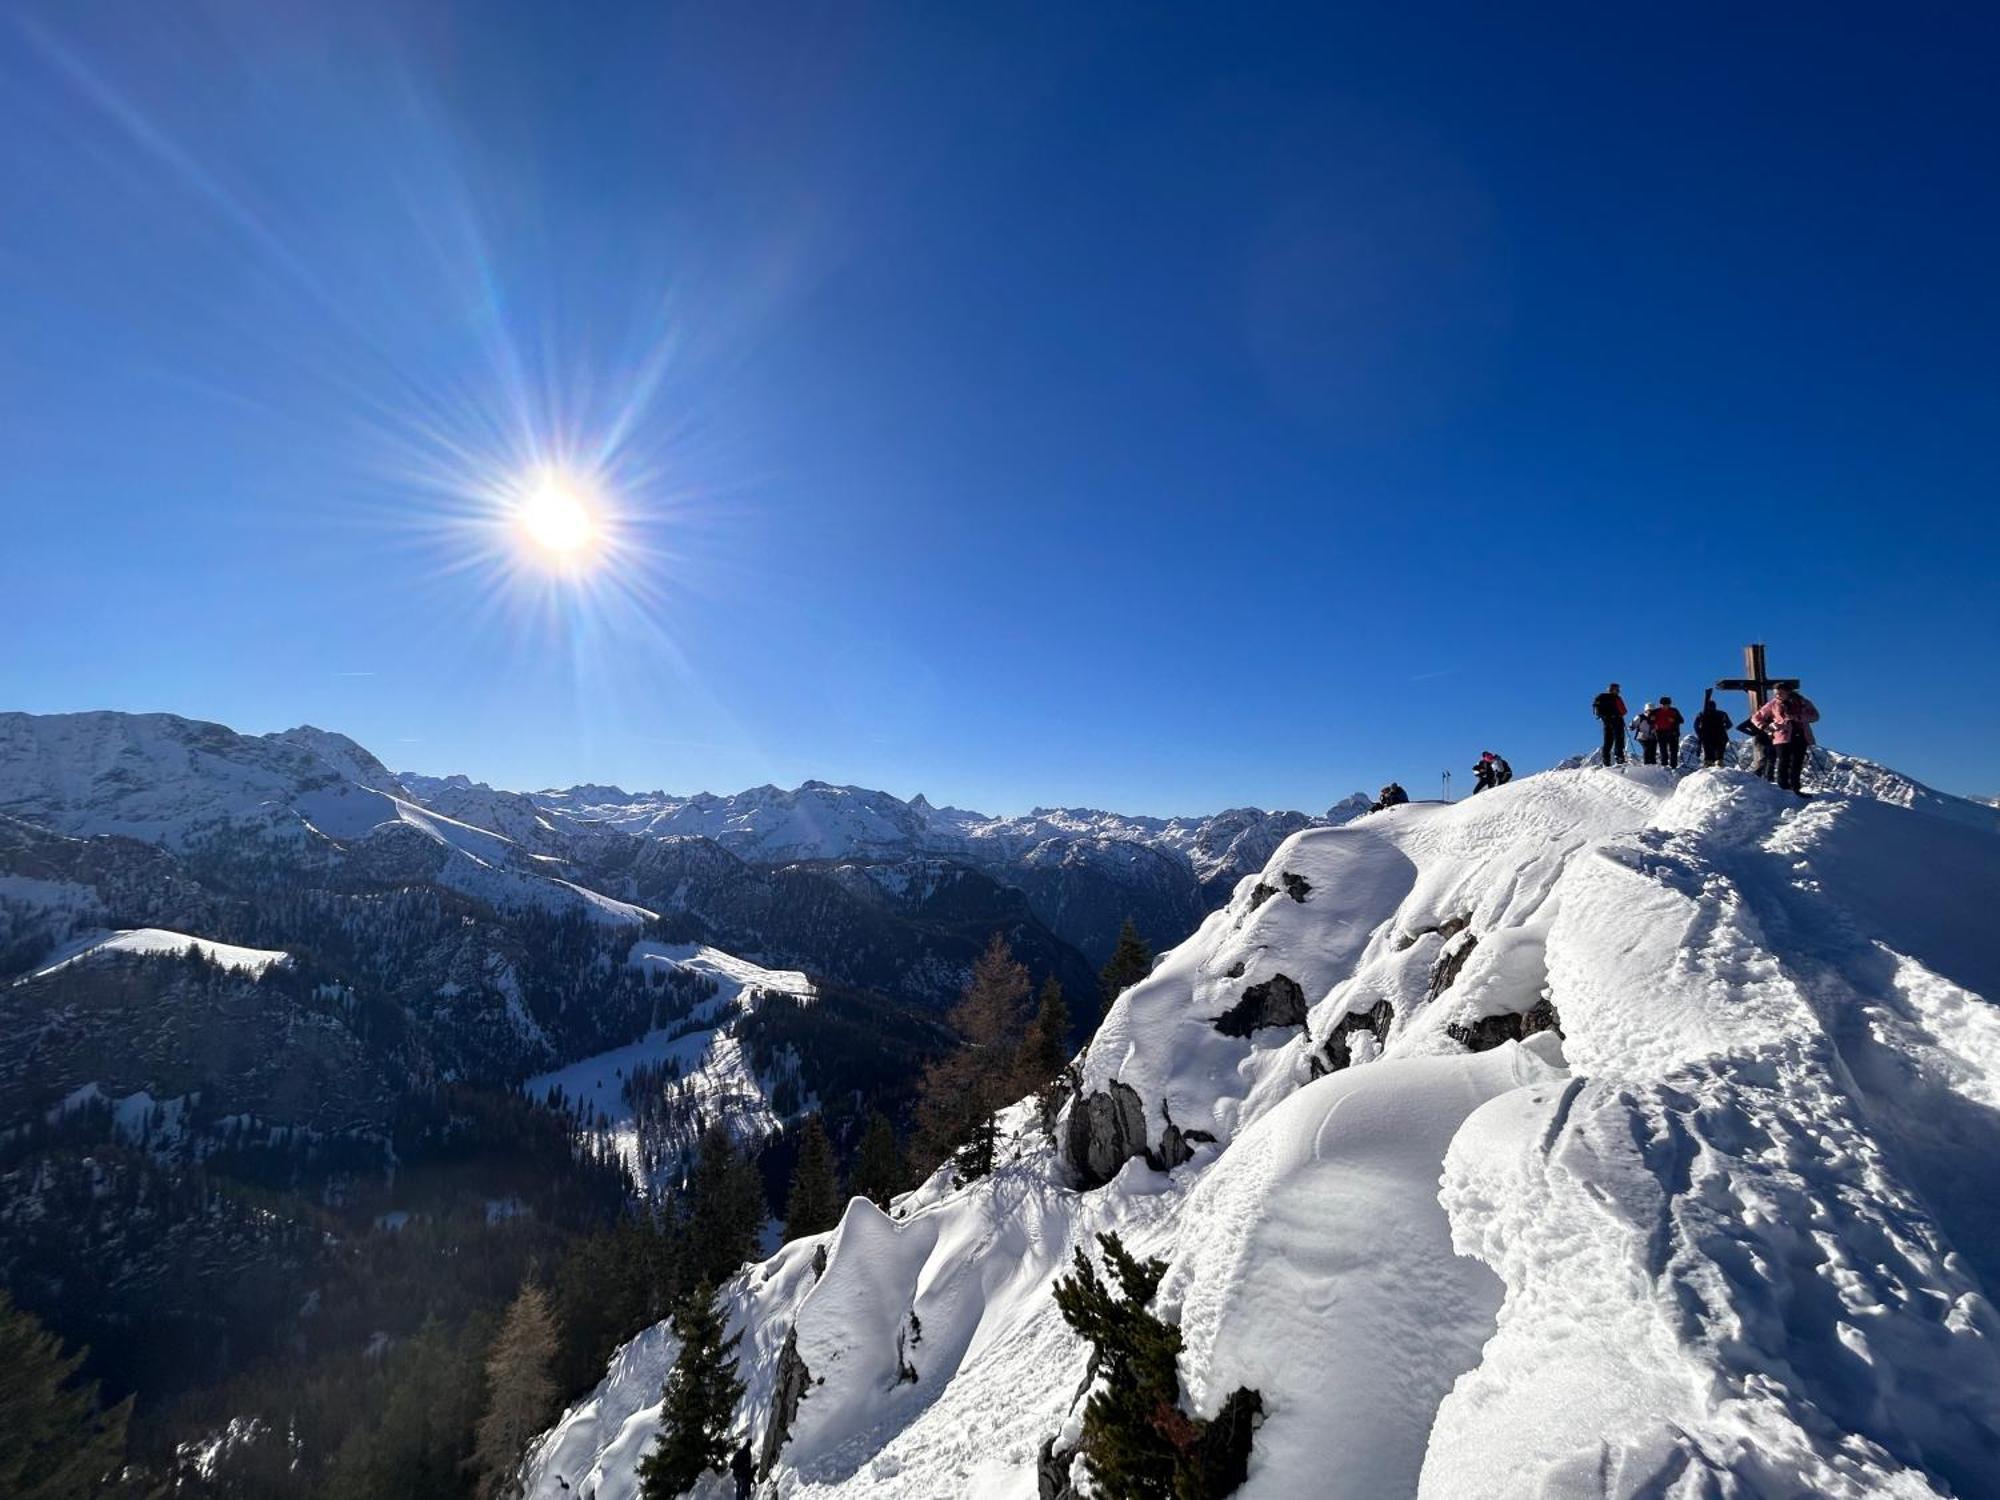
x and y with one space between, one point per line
1502 772
1605 706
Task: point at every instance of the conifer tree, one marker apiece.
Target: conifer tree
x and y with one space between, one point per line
55 1442
1131 962
878 1168
1044 1062
726 1208
1046 1051
814 1202
1137 1442
698 1404
961 1091
521 1393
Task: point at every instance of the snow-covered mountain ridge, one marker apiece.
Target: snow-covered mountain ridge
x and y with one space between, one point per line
1609 1134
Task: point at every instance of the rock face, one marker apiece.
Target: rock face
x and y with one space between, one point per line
1052 1465
1337 1051
1277 1001
1105 1131
1489 1032
1451 962
793 1381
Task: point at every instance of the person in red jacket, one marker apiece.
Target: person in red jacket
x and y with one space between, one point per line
1667 721
1610 711
1788 719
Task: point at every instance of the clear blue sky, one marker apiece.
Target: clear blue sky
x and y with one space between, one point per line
1021 405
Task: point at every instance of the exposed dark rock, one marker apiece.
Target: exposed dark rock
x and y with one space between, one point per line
1337 1051
1225 1442
1235 970
1105 1131
1261 893
1296 886
1449 928
1451 963
1052 1481
819 1261
1488 1032
906 1373
794 1380
1278 1001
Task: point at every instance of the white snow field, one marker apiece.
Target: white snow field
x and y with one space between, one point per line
715 1078
154 942
1731 1234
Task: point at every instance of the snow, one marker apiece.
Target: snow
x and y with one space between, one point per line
820 821
1733 1234
156 941
178 782
715 1074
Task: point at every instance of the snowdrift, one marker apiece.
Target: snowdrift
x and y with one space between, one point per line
1605 1134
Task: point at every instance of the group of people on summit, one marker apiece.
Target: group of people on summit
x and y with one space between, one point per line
1780 729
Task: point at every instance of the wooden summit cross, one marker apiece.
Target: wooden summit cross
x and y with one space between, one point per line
1755 680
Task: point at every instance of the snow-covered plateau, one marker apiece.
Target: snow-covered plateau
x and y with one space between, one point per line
1608 1134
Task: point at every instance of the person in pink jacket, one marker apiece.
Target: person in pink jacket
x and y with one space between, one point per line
1788 719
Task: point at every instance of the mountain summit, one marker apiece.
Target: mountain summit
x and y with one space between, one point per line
1611 1133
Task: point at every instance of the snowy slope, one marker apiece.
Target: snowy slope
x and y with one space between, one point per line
1730 1233
714 1080
184 784
155 941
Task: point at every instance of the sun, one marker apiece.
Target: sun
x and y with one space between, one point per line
556 518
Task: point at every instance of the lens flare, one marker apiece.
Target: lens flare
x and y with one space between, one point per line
555 517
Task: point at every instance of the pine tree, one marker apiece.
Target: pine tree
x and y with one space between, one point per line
878 1169
1131 962
1046 1051
55 1442
1137 1442
521 1393
698 1405
1044 1060
726 1208
961 1091
814 1202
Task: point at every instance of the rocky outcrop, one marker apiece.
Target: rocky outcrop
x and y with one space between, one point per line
1337 1051
1277 1001
794 1380
1488 1032
1106 1130
1052 1466
1451 962
1225 1442
1449 928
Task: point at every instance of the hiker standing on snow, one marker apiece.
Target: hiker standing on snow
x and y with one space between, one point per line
1667 721
1789 718
1711 729
1645 734
1502 772
1610 711
1392 795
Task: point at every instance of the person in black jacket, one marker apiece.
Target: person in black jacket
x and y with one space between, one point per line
1711 731
1485 772
1610 710
1392 795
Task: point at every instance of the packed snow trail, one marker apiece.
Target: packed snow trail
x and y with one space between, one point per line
1731 1235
